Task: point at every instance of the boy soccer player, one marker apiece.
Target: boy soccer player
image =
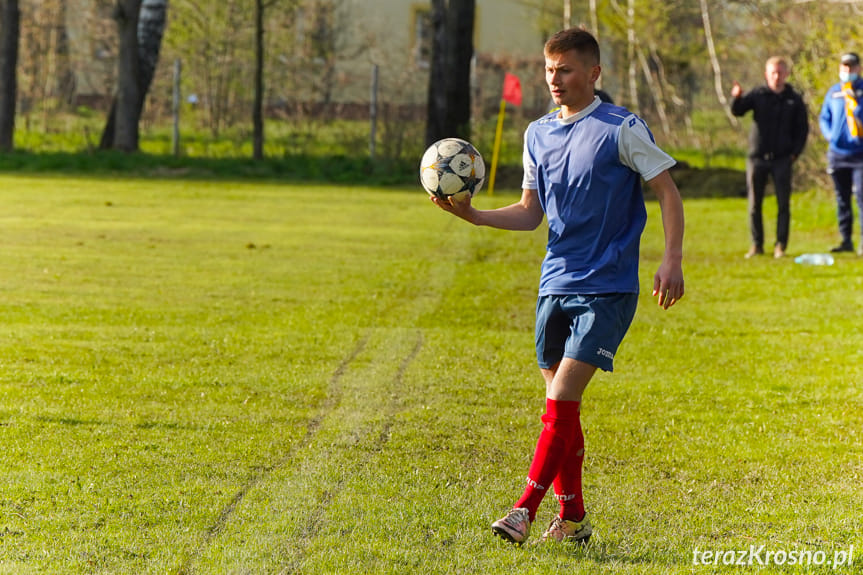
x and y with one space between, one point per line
583 166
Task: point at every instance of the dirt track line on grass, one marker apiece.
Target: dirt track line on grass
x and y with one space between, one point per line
397 380
317 515
330 402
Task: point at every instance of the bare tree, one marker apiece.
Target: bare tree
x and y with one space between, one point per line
9 35
146 34
594 28
151 28
714 60
125 134
630 55
449 80
258 104
460 39
656 90
436 113
215 45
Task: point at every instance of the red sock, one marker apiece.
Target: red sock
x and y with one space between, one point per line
567 484
559 433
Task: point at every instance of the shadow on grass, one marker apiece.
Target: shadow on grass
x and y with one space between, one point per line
74 421
692 182
327 169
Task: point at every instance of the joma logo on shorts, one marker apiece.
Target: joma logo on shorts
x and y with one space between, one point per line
605 353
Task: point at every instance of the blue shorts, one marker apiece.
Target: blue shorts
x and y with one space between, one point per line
588 328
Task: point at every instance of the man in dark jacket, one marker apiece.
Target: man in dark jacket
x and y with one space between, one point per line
778 136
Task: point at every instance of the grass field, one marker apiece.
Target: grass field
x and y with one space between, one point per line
226 377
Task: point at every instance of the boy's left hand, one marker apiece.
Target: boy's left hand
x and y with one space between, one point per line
668 284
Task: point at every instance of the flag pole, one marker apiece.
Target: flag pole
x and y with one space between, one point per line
496 151
511 94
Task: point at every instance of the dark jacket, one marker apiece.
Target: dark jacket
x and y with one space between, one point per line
781 122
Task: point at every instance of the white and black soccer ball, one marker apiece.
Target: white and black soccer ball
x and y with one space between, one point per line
452 168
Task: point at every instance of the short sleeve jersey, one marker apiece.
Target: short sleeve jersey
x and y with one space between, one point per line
587 170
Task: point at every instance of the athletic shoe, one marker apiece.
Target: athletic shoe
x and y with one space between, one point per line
779 251
754 251
515 527
564 530
843 247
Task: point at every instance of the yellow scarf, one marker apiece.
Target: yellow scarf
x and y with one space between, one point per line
854 126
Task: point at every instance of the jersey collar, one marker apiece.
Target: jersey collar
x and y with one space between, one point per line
583 113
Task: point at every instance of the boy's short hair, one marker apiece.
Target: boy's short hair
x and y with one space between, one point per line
577 39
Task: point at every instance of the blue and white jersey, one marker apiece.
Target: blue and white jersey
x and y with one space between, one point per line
587 169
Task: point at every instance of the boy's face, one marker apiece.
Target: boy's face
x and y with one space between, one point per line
570 80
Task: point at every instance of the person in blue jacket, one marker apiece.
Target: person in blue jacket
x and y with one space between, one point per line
841 122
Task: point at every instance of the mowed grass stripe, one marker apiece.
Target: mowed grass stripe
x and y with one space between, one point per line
279 521
315 463
332 399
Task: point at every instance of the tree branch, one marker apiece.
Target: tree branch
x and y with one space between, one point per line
714 60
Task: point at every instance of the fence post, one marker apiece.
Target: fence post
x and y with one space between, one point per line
373 112
175 109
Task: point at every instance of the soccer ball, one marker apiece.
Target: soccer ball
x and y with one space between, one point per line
452 168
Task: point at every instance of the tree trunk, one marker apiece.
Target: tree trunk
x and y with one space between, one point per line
9 35
630 56
436 114
258 103
128 90
107 140
460 23
594 25
449 79
149 29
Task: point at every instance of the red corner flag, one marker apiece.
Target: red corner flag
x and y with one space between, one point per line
512 89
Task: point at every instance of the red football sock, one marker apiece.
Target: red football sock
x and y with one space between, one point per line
567 484
560 421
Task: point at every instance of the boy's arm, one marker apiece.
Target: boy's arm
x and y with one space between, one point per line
524 215
668 281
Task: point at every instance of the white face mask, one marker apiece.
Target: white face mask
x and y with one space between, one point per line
847 76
